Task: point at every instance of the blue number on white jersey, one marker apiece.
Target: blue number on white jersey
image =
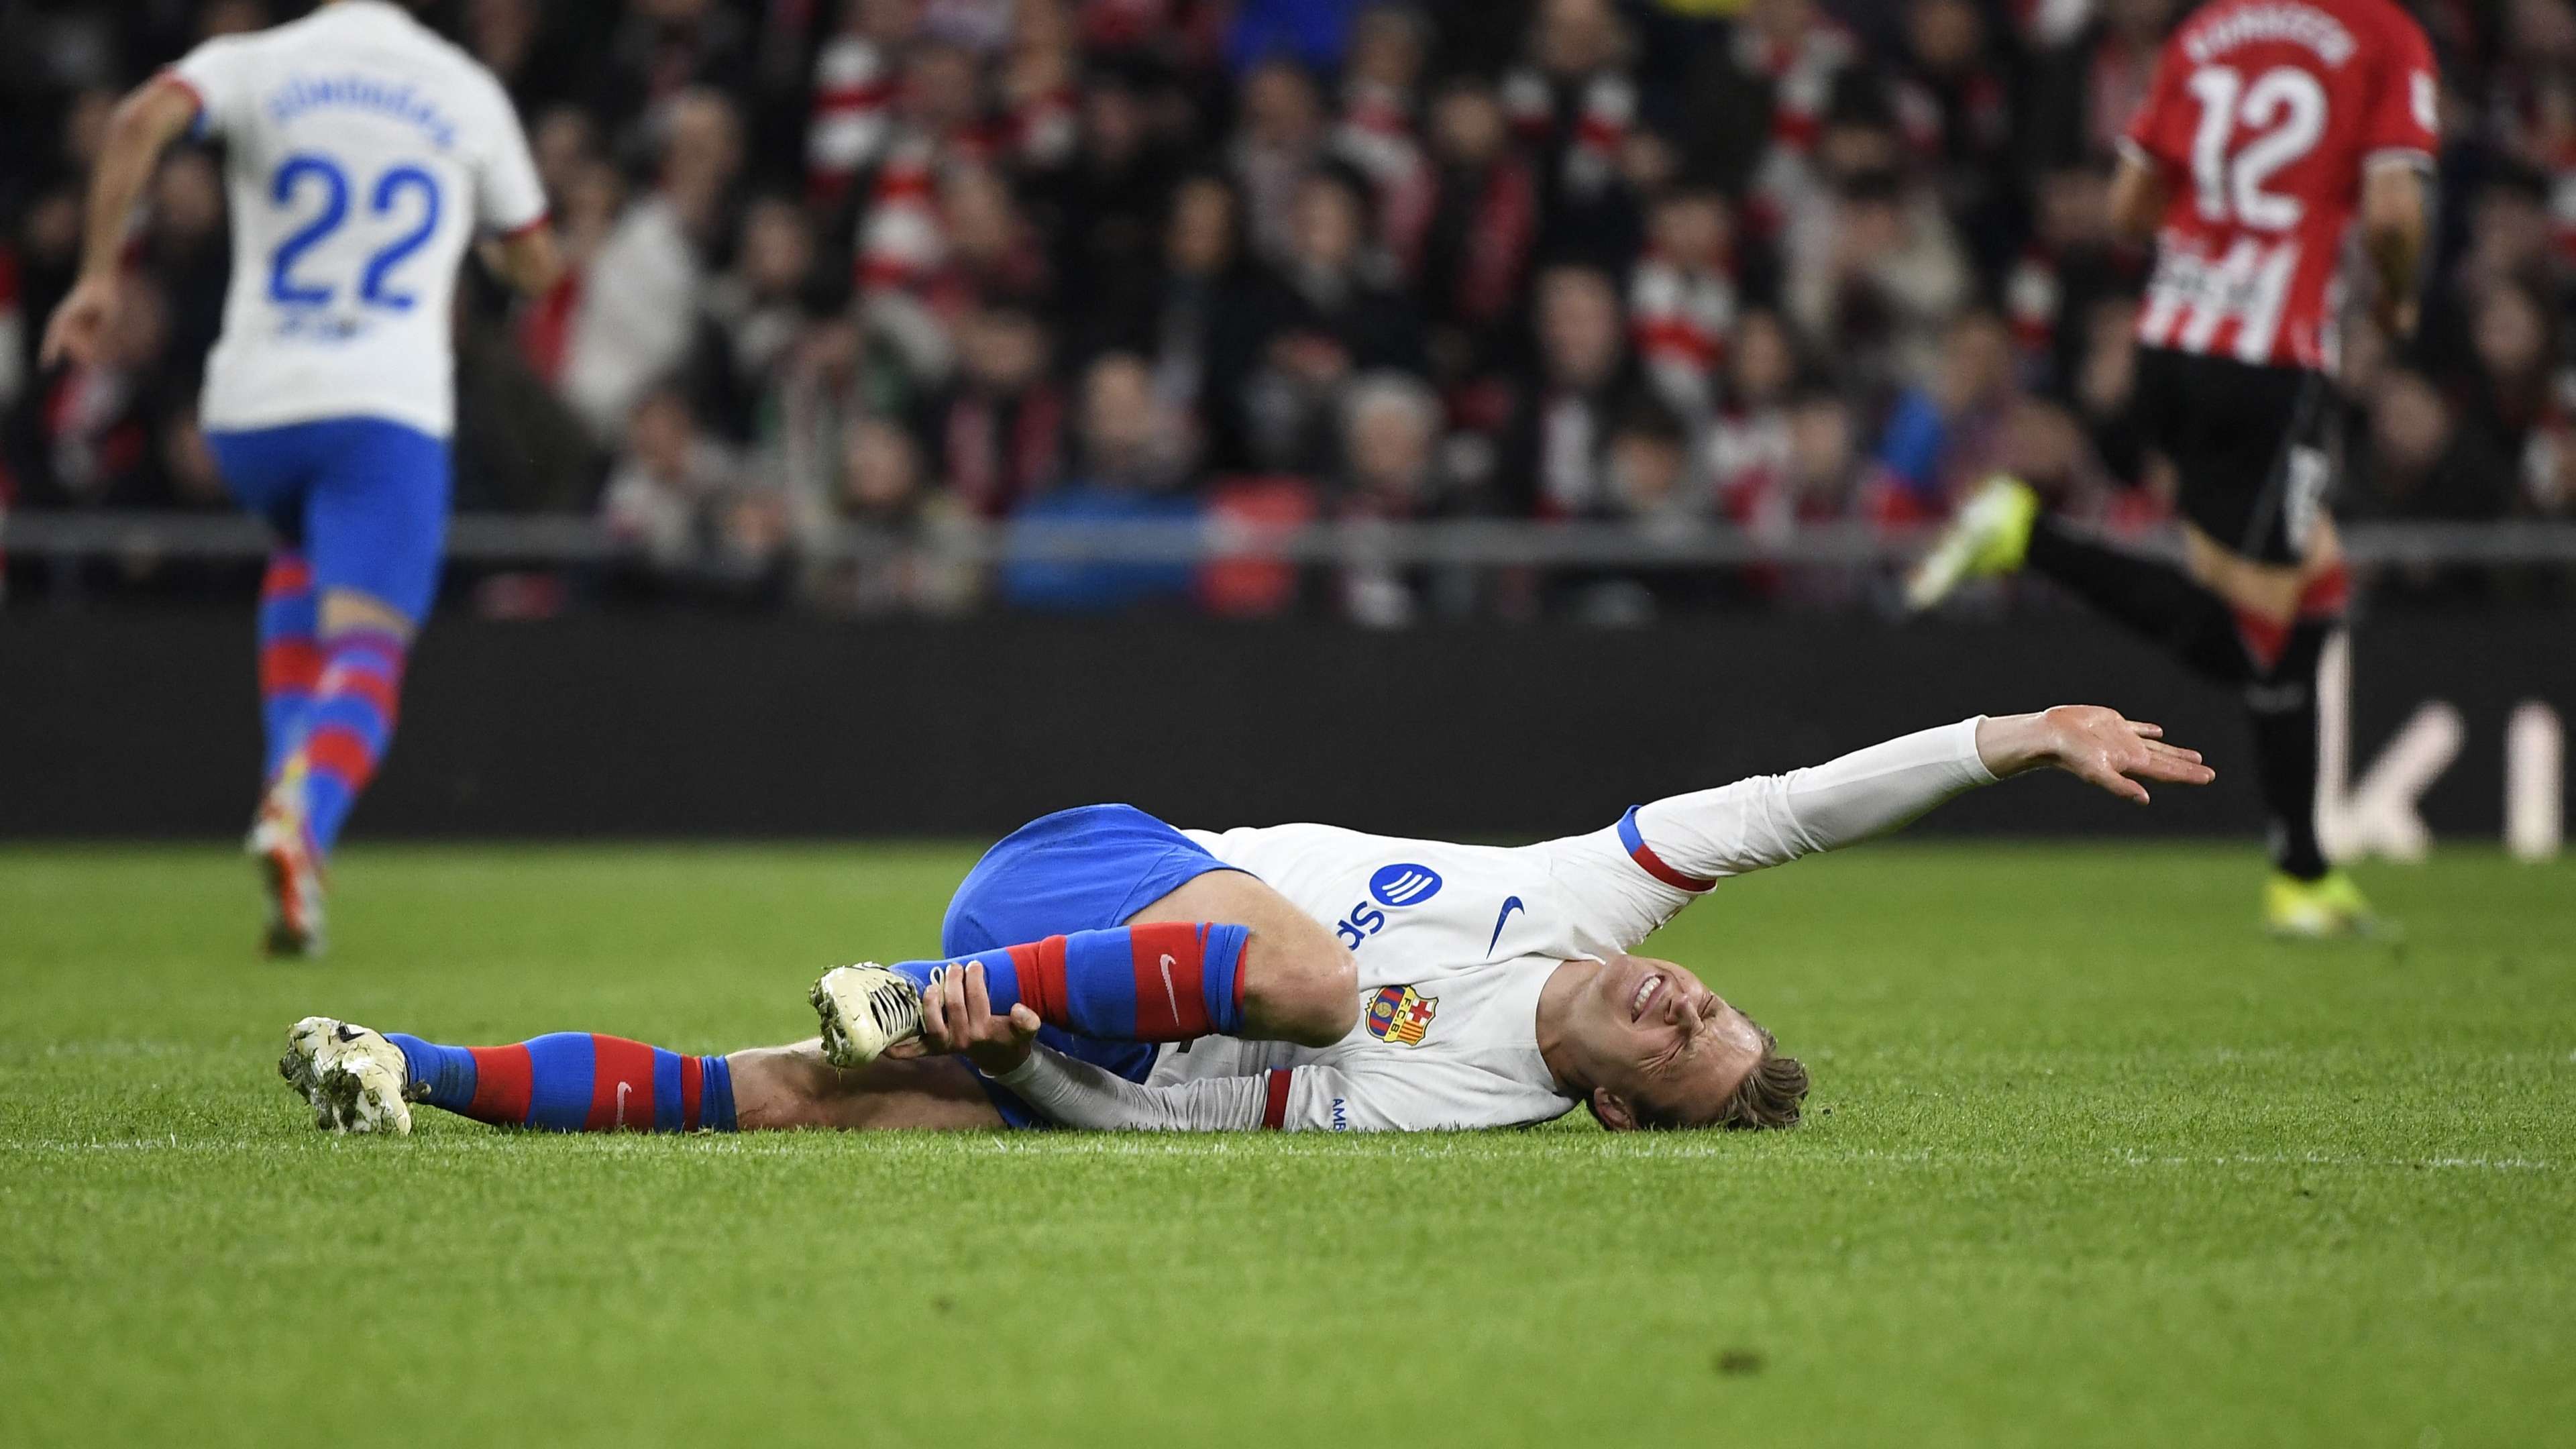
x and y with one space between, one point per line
283 286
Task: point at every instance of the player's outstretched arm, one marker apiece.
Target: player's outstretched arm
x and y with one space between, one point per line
1632 878
155 114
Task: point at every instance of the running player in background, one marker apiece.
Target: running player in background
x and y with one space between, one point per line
2271 129
1104 970
362 153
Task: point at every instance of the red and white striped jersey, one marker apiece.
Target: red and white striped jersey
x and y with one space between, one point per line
1680 320
2262 118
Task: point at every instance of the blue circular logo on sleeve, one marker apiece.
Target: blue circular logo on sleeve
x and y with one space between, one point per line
1404 885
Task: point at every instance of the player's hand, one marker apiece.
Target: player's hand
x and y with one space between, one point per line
81 323
957 1016
2097 745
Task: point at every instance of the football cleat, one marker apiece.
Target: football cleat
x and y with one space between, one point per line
1988 537
865 1009
2327 908
355 1078
290 867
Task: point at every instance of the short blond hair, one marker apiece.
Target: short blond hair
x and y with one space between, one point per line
1770 1096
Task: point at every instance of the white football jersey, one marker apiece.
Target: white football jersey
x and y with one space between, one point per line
362 154
1453 945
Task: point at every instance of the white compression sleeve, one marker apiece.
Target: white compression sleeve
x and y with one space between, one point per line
1772 819
1078 1094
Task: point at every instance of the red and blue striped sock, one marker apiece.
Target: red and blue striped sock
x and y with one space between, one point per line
1163 981
350 723
289 661
574 1081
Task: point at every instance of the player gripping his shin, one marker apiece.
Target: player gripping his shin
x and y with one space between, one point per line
1102 969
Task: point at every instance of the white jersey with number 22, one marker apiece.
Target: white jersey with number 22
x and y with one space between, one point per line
362 153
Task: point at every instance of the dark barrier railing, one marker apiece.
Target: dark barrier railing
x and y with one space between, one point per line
127 723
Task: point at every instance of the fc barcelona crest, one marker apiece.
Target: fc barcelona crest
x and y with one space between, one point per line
1401 1015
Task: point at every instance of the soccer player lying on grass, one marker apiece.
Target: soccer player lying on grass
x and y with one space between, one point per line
1105 970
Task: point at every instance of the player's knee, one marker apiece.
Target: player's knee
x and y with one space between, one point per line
347 610
1299 991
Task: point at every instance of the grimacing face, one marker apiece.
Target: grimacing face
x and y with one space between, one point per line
1659 1046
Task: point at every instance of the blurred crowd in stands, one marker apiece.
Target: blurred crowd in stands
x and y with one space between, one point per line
904 263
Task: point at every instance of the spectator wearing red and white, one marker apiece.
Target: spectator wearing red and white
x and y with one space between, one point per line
856 71
1039 127
1477 247
1748 442
667 495
996 438
586 209
2070 262
96 420
1390 452
1951 101
1376 133
985 246
1573 103
1817 478
1554 462
1682 297
1801 54
639 300
939 124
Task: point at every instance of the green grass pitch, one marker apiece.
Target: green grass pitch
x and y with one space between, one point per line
2090 1162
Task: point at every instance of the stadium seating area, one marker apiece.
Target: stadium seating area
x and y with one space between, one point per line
903 263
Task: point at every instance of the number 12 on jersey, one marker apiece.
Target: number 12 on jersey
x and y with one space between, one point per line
2286 107
399 190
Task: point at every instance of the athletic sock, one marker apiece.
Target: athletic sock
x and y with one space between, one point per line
1163 981
2281 704
289 661
2153 598
574 1081
350 723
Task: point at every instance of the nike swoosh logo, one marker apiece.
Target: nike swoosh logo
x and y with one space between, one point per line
1169 994
622 1089
1510 904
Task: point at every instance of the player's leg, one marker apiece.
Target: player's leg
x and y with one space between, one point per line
2288 614
1086 916
1297 981
360 1080
376 523
797 1086
271 470
1221 953
2004 528
2260 537
290 656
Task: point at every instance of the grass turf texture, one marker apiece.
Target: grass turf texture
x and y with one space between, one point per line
2091 1162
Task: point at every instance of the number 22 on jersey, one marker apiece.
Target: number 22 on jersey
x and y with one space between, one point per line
404 199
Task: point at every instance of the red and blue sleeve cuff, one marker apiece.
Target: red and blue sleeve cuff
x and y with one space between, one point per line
1634 842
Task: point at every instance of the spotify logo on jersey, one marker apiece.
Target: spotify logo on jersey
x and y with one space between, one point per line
1404 885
